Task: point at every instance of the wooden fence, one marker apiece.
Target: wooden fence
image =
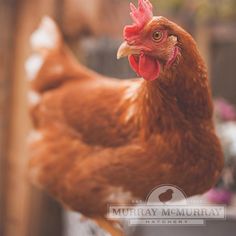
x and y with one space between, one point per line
26 211
22 207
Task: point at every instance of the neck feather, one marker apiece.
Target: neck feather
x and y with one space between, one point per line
178 99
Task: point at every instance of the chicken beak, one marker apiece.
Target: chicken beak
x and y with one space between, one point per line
125 50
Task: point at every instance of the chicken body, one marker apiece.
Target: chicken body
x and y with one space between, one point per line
100 140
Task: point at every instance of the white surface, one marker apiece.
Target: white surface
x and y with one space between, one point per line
76 225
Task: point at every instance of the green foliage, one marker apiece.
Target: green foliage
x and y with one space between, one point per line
210 9
170 5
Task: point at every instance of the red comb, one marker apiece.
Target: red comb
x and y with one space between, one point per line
141 16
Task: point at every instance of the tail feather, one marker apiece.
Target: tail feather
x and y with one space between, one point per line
45 40
47 36
33 65
51 63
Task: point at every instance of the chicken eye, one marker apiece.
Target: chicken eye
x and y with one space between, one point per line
157 36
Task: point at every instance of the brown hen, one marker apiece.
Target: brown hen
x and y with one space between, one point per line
100 140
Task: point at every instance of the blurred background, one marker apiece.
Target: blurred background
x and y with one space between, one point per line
93 30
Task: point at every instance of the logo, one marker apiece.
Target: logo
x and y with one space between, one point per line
166 195
167 205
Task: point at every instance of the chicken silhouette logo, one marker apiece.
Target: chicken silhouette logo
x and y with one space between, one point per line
167 195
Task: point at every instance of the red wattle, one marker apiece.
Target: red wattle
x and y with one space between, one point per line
145 66
134 63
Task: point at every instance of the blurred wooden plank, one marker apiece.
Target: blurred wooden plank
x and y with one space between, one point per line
6 49
223 57
95 17
203 37
25 206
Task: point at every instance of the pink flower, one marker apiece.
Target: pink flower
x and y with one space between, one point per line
225 110
219 196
